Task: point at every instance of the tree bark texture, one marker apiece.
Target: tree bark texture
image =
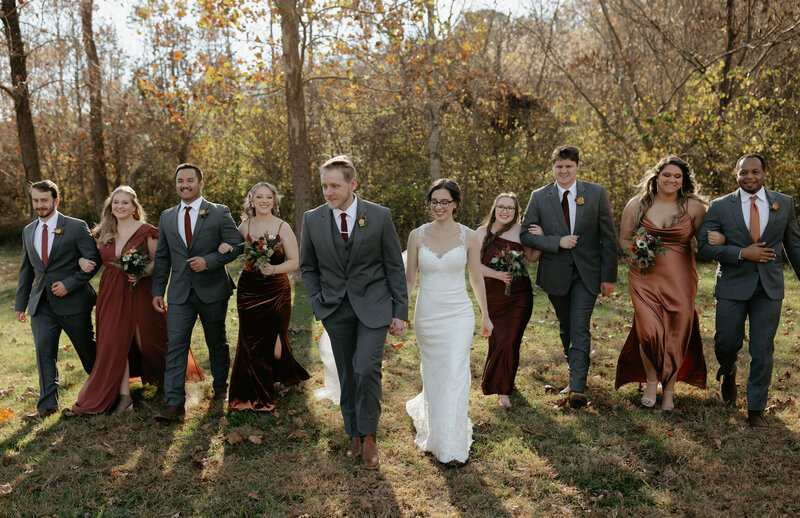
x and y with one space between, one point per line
94 82
432 106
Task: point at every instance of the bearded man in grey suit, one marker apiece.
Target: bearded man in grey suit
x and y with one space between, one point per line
55 291
579 257
352 267
188 238
758 225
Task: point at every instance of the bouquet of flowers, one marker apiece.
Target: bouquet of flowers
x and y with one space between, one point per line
132 262
512 262
644 249
259 251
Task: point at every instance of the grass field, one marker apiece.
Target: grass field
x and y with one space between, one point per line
538 459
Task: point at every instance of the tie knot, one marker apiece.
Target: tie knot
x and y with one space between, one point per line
188 208
44 226
753 198
566 193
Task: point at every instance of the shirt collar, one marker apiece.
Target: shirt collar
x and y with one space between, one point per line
53 220
351 210
194 205
572 189
745 196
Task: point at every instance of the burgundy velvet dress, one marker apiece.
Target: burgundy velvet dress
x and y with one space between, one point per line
265 308
664 318
119 312
509 314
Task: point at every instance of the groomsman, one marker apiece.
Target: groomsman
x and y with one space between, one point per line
757 224
188 238
55 291
579 257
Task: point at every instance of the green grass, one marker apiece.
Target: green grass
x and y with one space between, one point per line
539 459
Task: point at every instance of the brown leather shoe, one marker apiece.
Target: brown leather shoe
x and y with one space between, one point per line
354 448
577 400
170 413
39 414
728 389
220 397
756 419
369 452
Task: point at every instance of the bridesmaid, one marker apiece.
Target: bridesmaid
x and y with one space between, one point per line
509 313
131 335
664 343
264 301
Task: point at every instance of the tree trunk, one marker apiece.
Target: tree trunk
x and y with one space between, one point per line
432 106
19 91
94 82
296 109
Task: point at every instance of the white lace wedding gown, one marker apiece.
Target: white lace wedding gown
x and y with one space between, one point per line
444 322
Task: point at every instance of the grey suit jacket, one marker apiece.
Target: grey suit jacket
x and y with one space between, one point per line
737 279
595 255
374 280
71 242
214 226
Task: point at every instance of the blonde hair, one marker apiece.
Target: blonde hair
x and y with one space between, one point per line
249 211
342 163
107 228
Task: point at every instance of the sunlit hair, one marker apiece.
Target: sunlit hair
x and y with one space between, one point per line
249 210
342 163
566 152
45 186
648 188
107 228
490 218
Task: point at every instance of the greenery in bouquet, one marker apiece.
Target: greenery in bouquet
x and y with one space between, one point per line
132 262
259 251
510 261
644 249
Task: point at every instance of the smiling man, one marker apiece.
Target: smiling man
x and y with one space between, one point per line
579 257
757 224
353 271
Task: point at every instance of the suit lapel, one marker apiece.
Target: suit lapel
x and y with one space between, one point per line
555 208
327 235
30 232
771 216
580 190
198 226
171 224
58 237
736 207
357 232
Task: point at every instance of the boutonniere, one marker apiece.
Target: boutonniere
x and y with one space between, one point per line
362 220
203 213
579 200
58 231
774 207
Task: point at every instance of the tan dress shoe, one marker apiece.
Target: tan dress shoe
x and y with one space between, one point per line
577 400
369 452
39 414
755 419
354 448
170 413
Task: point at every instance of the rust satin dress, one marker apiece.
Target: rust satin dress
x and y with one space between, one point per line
509 315
665 320
265 308
119 312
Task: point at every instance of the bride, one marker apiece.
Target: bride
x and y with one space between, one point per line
444 322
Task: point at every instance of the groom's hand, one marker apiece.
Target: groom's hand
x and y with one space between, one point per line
757 253
398 327
568 242
606 288
158 303
197 264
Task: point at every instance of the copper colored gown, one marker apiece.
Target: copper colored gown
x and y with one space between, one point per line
665 321
265 308
119 312
509 314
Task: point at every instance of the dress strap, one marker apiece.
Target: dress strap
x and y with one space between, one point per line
279 228
463 234
248 227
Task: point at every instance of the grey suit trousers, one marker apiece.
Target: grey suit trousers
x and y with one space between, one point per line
358 351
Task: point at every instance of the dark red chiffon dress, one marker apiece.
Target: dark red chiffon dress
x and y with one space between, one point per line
265 308
509 315
120 311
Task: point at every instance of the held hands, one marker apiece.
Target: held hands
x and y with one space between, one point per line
568 242
197 264
158 303
715 238
58 289
86 265
398 327
758 253
536 230
224 248
486 326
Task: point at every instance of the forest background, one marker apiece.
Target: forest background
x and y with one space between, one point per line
411 89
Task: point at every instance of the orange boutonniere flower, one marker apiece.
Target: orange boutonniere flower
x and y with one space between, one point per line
579 200
774 207
362 220
58 231
203 213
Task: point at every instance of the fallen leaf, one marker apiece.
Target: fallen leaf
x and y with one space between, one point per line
6 414
398 345
549 389
718 442
255 439
253 495
234 438
5 489
297 434
207 427
69 366
298 422
293 412
7 392
223 421
733 421
66 347
365 504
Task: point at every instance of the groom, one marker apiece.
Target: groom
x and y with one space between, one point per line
353 271
188 238
757 223
579 257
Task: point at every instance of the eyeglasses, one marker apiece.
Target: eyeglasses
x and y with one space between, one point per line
441 203
503 208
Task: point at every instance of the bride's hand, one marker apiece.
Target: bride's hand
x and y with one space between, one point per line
486 326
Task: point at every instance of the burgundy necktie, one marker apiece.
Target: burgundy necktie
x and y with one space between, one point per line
755 220
187 227
45 237
565 209
345 236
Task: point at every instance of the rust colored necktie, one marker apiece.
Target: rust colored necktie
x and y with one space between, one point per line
345 235
755 220
187 227
565 209
45 238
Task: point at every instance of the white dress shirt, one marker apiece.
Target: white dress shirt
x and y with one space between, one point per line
761 204
52 221
573 190
193 213
349 216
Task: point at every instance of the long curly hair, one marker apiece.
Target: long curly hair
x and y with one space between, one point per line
490 218
249 211
648 188
107 228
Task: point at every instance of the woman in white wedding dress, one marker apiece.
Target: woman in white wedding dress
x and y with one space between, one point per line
444 322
